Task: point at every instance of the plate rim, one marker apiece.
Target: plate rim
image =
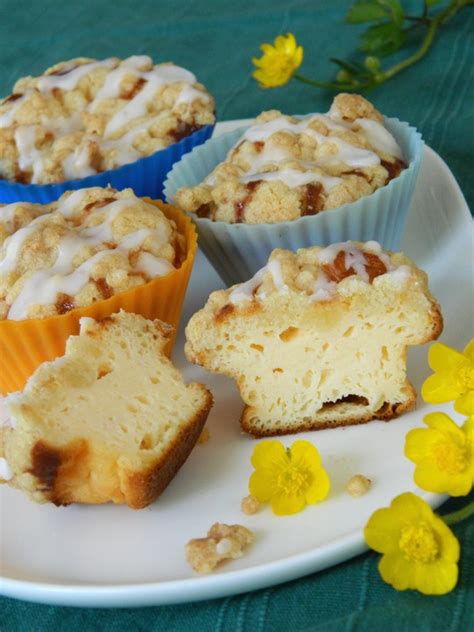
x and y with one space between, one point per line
225 583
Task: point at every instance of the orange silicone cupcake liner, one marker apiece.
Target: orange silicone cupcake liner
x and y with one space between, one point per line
25 344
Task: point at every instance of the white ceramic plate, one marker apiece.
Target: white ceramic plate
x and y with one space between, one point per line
113 556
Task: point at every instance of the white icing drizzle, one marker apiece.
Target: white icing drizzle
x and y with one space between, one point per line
72 203
44 285
5 470
379 137
14 243
111 87
69 81
274 267
152 266
245 291
6 119
28 156
347 153
323 288
399 276
5 420
137 107
77 164
7 213
189 94
294 178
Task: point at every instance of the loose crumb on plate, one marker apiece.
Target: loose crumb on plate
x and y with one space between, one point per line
223 542
358 485
250 505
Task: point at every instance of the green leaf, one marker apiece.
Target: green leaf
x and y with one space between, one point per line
431 3
382 39
366 11
394 9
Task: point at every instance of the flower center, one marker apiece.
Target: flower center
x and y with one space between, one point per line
449 457
466 378
418 543
292 481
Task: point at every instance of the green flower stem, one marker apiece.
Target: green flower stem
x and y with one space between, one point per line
457 516
324 84
453 7
432 23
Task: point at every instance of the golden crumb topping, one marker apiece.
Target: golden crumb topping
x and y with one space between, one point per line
87 246
85 116
284 168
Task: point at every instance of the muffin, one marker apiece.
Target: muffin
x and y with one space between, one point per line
89 253
295 182
84 117
111 420
284 168
318 338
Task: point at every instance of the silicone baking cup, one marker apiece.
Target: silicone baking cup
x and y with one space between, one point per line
144 176
25 344
237 251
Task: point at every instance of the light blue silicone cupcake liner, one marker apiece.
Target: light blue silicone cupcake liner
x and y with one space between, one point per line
144 176
237 251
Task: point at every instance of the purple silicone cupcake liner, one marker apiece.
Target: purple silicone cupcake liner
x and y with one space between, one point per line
145 176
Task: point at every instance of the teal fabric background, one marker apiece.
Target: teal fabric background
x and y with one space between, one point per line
216 39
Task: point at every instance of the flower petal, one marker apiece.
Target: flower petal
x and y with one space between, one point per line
418 443
382 531
261 486
464 404
469 350
267 453
450 549
430 478
443 423
442 358
441 387
305 454
319 488
284 504
398 571
437 578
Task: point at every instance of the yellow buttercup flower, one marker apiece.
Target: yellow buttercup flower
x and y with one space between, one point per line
443 454
419 550
288 478
453 377
278 62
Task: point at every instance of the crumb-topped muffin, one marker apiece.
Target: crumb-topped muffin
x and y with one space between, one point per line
84 116
284 168
87 246
318 338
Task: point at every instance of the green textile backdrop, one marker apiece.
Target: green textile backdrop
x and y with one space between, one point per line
216 39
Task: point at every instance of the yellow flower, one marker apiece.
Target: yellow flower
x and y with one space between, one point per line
443 454
419 550
288 478
278 62
453 377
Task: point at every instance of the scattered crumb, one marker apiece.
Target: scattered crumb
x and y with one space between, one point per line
204 436
223 542
250 505
358 485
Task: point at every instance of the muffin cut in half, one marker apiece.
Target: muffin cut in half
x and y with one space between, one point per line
111 420
318 338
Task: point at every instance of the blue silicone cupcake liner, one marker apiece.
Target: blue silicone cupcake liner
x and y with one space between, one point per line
144 176
237 251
